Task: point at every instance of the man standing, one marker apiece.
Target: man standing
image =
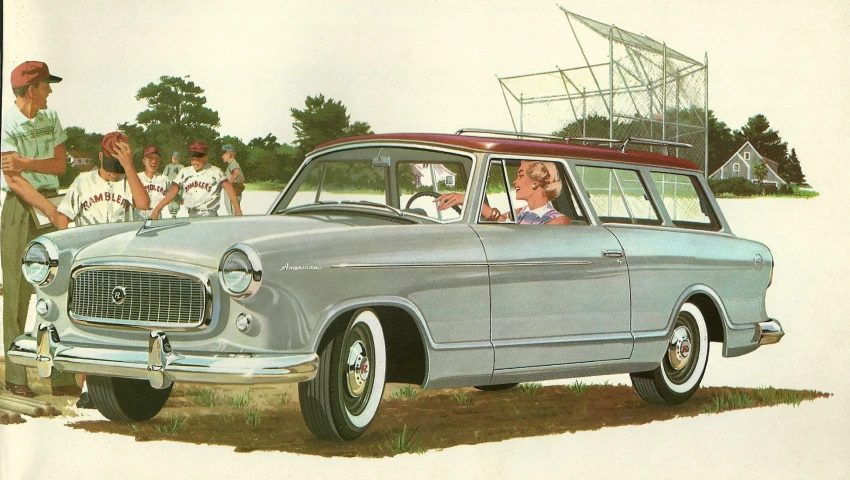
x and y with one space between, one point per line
171 171
155 183
34 154
234 175
202 184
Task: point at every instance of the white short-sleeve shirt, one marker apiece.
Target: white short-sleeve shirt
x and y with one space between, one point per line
157 187
201 189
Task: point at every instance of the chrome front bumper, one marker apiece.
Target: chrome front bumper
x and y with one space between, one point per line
769 332
158 364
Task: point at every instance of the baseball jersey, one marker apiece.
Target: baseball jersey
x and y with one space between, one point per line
91 200
33 138
201 189
172 169
157 187
231 166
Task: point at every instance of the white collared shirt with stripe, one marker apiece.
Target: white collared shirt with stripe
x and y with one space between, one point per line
201 189
91 200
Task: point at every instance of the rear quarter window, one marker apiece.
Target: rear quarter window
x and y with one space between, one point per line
685 201
618 195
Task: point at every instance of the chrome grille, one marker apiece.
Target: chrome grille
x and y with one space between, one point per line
127 296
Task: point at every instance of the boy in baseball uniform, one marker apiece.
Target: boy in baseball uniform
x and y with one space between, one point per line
171 170
108 194
155 183
202 185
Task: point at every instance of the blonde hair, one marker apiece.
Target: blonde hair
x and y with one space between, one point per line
546 175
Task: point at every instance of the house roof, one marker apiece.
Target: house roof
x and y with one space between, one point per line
523 147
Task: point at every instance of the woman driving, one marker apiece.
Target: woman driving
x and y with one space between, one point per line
538 183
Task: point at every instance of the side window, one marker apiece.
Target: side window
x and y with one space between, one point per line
618 195
685 201
540 188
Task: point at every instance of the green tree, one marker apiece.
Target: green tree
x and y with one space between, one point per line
760 171
176 116
795 171
765 140
322 121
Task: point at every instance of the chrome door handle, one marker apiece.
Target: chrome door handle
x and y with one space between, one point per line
612 253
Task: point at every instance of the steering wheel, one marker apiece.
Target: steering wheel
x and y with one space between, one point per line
428 194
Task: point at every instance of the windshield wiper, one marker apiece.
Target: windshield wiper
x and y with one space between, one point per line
373 204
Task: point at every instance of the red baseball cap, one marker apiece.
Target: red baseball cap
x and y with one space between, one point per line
29 73
109 141
150 151
198 147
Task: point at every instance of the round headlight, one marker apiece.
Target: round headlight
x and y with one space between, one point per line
39 263
240 271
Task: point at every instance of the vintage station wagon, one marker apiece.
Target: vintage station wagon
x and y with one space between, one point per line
411 258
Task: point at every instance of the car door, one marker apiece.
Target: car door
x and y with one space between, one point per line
558 294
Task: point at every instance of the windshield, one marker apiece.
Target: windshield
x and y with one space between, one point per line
401 180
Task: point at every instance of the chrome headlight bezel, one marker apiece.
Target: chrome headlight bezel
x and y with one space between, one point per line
51 263
253 273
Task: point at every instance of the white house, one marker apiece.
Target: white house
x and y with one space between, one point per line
424 171
741 164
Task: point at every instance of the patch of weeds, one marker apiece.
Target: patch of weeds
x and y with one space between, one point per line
225 418
285 398
405 392
175 424
462 397
530 388
240 401
204 396
402 442
727 401
253 418
577 388
772 396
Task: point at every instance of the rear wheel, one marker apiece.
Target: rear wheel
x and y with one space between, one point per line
126 399
683 364
341 401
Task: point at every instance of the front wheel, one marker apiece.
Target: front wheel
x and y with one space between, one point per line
341 401
683 364
126 399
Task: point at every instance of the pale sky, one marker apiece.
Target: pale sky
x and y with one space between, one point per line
422 66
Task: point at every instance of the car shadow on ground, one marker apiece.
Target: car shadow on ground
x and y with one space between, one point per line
266 417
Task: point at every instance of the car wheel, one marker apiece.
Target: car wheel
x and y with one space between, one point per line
495 388
341 401
126 399
683 364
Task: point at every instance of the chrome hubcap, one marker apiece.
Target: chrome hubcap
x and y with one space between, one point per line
679 349
358 369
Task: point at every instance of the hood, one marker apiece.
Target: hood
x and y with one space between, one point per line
203 241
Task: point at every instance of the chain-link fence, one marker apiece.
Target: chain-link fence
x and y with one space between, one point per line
646 90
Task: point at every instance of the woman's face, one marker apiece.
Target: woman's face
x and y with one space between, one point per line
523 185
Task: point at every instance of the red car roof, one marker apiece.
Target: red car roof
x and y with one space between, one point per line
523 147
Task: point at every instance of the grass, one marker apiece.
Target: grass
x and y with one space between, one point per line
225 418
462 397
253 418
577 388
240 401
530 388
264 186
402 442
285 398
175 424
204 396
405 392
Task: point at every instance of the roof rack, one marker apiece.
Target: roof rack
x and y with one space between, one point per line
611 141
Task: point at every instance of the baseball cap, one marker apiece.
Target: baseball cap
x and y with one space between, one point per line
29 73
198 147
150 151
176 154
109 141
228 148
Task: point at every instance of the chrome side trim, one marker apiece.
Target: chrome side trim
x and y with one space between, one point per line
160 365
455 265
769 332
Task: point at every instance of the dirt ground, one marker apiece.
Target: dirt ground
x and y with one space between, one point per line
410 420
